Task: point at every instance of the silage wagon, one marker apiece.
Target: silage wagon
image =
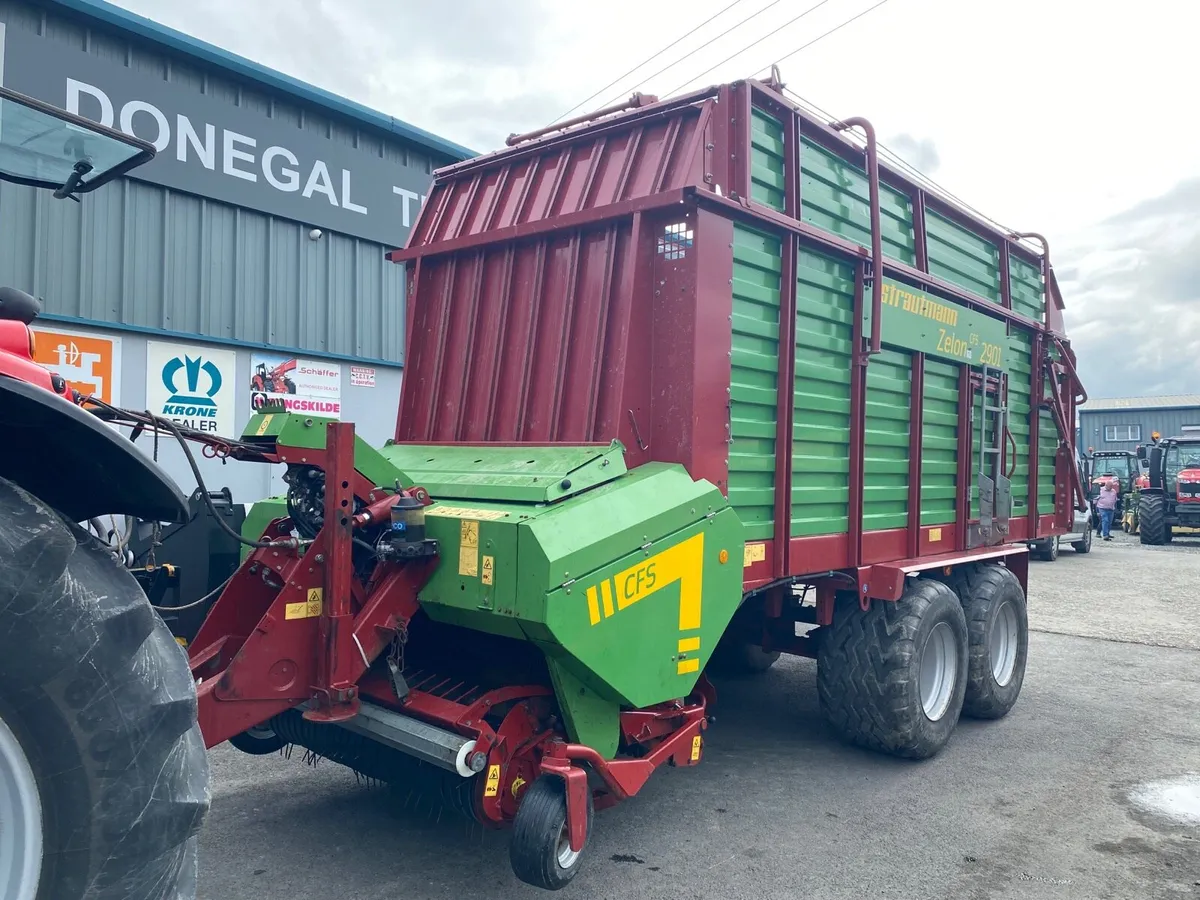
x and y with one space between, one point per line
696 380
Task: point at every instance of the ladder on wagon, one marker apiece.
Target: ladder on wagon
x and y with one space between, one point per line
995 487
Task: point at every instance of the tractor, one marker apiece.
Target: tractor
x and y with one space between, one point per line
1171 498
1121 467
103 771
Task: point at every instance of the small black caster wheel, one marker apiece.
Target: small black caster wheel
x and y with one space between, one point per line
258 741
540 852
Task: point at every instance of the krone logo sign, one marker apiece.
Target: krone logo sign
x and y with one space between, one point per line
191 385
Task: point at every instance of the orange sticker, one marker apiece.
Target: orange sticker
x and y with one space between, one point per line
90 363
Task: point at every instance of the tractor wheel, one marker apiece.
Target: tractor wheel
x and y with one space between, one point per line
892 678
997 636
101 759
734 655
539 851
259 741
1152 520
1085 545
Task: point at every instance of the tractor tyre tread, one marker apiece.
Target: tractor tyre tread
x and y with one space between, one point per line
868 667
92 680
540 818
1152 521
979 588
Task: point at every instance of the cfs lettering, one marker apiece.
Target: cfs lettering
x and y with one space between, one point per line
639 581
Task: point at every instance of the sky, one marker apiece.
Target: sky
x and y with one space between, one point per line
1073 118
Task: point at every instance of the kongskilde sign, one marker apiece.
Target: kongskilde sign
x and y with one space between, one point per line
210 147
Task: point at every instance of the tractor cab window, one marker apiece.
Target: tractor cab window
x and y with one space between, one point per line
1179 457
47 147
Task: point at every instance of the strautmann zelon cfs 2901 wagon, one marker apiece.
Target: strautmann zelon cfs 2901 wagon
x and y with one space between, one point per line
680 378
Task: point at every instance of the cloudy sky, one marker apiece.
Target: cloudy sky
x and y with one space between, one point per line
1070 117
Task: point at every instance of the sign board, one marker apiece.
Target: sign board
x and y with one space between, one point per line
192 385
210 147
90 363
917 321
301 385
362 376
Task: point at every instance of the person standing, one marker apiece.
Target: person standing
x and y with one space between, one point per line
1106 503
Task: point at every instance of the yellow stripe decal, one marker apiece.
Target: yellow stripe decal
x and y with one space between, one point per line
688 665
593 606
686 645
606 591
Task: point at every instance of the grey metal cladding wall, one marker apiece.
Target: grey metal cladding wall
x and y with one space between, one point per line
141 255
1167 422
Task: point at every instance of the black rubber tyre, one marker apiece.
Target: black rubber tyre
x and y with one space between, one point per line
102 702
1152 520
1084 546
985 592
869 668
260 741
536 850
734 655
1050 554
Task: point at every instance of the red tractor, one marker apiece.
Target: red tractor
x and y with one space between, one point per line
103 773
1171 498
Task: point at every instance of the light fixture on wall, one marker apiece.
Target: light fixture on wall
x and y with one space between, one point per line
316 234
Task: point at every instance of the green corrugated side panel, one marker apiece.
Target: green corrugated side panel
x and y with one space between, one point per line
767 182
834 196
939 443
885 467
1025 286
821 405
1019 371
962 258
757 267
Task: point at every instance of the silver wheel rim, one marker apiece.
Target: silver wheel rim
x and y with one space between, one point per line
1002 644
566 856
260 733
20 821
939 671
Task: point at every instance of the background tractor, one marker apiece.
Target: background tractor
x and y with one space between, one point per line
103 774
1121 467
1171 499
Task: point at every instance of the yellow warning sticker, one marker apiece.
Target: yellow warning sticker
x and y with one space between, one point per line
468 549
935 535
489 565
517 784
307 608
462 512
264 424
752 554
695 748
493 782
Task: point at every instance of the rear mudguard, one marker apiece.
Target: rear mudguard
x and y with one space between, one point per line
76 463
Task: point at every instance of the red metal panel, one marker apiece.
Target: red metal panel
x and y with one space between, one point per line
966 477
819 553
916 427
881 546
858 418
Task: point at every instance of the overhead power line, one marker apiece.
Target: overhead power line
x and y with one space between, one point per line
822 37
648 60
691 53
751 46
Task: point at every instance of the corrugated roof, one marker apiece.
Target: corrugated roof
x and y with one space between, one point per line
1170 401
182 43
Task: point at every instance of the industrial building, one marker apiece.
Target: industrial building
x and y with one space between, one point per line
1123 423
245 261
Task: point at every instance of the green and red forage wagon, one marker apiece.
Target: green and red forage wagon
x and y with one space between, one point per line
696 380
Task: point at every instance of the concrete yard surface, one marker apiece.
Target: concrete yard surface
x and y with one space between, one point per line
1086 790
